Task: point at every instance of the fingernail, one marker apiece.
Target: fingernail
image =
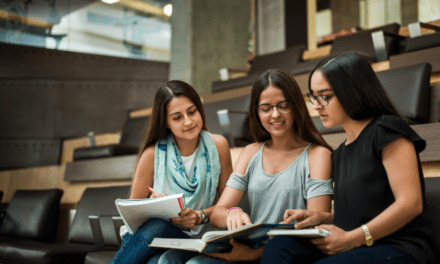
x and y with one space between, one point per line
148 187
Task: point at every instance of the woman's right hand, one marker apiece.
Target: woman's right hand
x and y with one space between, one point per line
236 218
304 218
154 194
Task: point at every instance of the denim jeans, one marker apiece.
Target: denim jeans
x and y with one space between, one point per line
134 248
188 257
284 249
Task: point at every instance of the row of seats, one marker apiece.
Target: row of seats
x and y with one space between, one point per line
407 87
27 231
29 225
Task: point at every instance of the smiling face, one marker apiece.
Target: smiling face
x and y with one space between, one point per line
183 118
333 114
277 124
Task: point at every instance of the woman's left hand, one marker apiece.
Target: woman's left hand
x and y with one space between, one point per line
337 241
188 218
239 252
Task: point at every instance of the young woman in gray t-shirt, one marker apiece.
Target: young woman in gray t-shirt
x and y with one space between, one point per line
288 167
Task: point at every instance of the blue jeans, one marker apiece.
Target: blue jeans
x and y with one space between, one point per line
189 257
134 248
284 249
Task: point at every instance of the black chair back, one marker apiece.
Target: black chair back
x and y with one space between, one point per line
33 214
432 196
409 89
96 201
133 131
362 42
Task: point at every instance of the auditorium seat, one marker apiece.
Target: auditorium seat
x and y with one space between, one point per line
94 201
237 130
432 196
409 90
131 137
283 60
417 41
31 214
30 218
360 43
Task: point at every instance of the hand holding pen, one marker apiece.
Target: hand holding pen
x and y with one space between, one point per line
154 194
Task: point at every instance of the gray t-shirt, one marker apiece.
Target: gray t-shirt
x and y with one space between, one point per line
269 195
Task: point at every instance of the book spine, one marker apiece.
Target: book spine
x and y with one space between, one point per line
180 204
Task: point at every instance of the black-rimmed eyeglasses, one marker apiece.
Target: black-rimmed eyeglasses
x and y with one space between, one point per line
321 99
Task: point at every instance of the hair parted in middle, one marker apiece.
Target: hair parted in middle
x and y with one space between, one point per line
303 126
356 86
157 128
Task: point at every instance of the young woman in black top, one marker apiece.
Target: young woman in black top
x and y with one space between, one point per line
379 214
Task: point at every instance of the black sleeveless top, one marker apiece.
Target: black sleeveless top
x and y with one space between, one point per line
362 190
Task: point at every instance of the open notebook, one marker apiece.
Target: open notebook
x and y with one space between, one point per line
135 212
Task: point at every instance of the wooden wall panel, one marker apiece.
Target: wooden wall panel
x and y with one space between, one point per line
45 178
70 145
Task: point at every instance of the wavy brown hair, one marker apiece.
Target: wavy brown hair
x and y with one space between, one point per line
303 126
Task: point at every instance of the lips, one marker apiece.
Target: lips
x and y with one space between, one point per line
188 130
277 124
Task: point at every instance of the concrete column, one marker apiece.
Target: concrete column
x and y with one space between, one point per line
284 23
271 26
208 36
181 41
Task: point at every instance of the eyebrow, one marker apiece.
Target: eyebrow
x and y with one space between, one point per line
175 113
323 90
275 104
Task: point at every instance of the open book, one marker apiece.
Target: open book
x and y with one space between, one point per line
135 212
252 235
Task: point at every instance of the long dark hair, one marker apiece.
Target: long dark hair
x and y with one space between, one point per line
303 126
157 128
356 85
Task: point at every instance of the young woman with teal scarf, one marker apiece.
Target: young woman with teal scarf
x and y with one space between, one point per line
178 155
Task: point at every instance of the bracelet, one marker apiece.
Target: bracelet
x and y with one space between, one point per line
232 208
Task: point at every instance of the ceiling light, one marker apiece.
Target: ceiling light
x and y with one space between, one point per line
168 10
110 1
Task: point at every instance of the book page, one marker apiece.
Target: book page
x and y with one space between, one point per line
135 212
214 234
